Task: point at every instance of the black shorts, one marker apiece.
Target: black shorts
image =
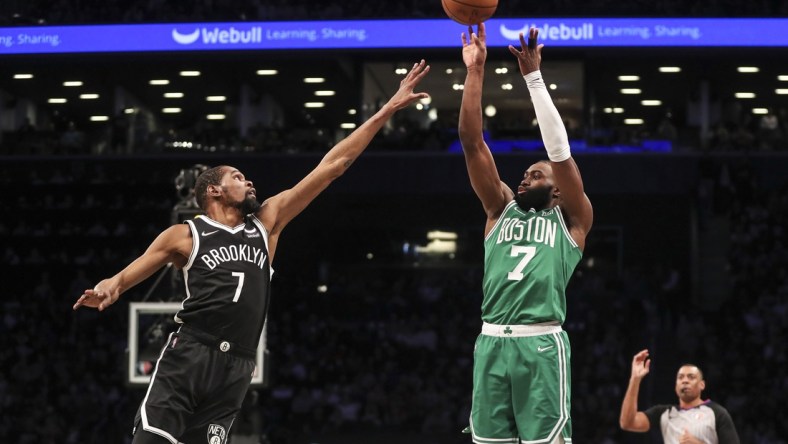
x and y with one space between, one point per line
195 392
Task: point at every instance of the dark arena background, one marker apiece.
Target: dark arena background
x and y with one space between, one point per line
377 289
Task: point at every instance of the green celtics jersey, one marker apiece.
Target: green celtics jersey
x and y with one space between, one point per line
528 259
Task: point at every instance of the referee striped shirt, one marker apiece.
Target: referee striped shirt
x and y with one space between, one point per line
709 422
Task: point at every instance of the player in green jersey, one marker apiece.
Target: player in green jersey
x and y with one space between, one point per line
533 240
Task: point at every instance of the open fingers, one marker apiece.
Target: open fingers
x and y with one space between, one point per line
419 71
91 298
79 302
523 44
84 301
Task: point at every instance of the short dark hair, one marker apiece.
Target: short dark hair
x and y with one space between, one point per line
689 364
211 176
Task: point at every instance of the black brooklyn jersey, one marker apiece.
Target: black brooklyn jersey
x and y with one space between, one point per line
228 280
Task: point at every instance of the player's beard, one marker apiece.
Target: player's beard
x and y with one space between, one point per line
249 205
536 198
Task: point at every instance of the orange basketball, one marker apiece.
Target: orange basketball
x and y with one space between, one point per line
469 12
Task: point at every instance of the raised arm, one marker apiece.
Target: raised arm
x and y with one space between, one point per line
631 419
576 205
279 210
172 245
483 173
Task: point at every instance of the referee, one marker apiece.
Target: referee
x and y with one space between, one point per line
692 421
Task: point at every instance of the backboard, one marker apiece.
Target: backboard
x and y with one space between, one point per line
150 324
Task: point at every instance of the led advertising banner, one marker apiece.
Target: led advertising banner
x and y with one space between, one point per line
369 34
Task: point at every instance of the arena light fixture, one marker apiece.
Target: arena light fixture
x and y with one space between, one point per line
159 82
57 100
171 110
628 78
173 95
99 118
352 111
325 93
314 79
761 111
781 91
651 102
347 125
267 72
23 76
314 105
744 95
215 99
782 78
72 83
215 117
669 69
748 69
633 121
190 73
89 96
553 86
630 91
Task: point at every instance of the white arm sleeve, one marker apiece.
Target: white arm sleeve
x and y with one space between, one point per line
554 136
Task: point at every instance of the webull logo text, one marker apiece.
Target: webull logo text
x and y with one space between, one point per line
553 32
219 36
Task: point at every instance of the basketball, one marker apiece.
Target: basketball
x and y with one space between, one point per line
469 12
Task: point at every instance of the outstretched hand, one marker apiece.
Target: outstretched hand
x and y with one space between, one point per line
529 56
405 96
641 364
474 47
98 296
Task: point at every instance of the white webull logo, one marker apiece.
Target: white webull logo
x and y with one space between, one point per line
220 36
185 39
552 32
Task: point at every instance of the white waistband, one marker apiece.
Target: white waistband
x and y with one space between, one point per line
512 331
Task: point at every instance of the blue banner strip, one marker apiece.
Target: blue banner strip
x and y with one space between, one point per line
367 34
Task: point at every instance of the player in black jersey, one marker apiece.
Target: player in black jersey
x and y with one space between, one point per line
205 368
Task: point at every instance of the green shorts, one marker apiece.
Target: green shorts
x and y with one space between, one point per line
521 385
